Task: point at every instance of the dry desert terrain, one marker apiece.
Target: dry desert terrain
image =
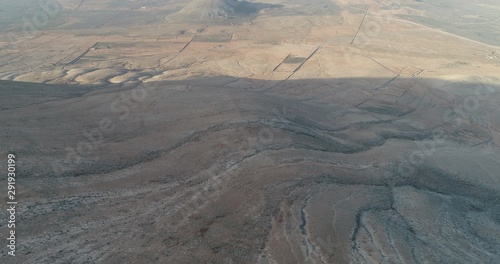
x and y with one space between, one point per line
277 131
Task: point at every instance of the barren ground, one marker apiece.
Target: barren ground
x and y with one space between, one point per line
318 132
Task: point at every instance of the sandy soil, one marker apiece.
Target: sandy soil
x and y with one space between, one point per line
339 132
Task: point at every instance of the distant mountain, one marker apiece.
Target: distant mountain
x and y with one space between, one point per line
201 10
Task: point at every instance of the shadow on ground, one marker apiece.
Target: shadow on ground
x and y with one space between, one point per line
248 171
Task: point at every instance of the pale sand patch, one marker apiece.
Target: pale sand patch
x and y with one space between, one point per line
100 76
41 77
131 76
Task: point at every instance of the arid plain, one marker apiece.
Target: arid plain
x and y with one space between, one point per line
223 131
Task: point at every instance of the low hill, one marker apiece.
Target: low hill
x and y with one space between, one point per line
202 10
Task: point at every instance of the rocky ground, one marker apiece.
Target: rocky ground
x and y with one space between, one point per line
356 137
